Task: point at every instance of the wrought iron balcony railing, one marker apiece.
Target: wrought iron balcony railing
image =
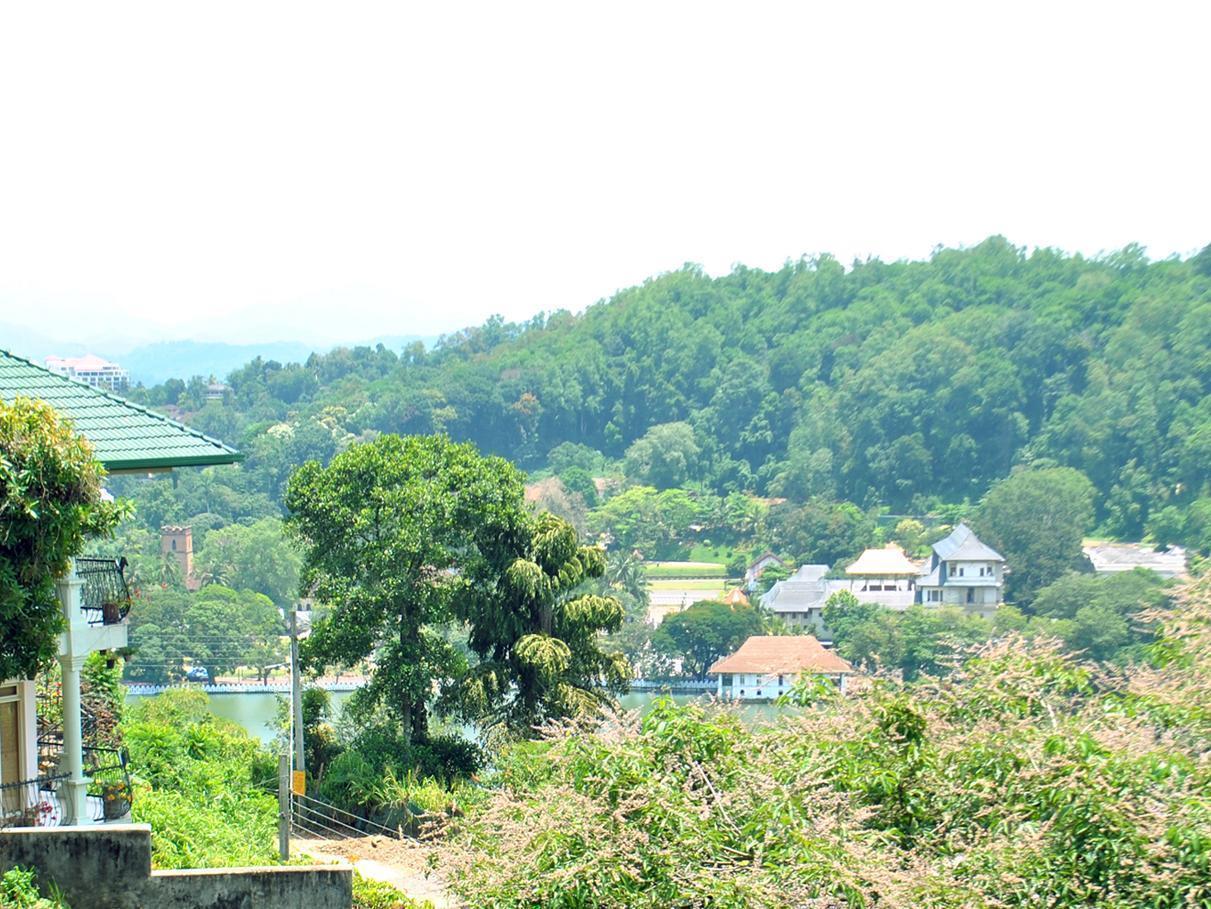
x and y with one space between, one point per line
31 803
106 595
40 802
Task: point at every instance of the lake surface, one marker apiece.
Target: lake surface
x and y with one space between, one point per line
258 711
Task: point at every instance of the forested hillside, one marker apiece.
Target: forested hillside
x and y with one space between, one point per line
908 385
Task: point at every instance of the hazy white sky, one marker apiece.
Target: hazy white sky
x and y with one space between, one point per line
251 171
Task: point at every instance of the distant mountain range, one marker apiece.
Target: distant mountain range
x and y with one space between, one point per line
153 363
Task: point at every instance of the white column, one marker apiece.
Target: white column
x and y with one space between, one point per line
73 651
73 790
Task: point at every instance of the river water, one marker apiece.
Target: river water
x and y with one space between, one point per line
257 712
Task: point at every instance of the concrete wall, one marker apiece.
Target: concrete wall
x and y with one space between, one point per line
110 868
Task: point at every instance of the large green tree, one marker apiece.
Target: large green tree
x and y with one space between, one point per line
667 455
537 628
254 557
706 631
50 504
1037 520
1099 615
393 532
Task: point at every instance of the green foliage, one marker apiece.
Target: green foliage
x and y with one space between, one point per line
368 894
536 630
920 640
1103 616
706 631
820 532
201 784
906 384
254 557
216 627
19 890
578 481
50 504
1017 781
665 456
1037 520
647 519
395 532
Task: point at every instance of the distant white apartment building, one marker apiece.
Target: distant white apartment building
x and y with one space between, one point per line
91 370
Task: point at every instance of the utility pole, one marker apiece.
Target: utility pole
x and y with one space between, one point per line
296 692
284 807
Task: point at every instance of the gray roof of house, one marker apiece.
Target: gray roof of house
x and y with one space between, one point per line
962 545
805 589
931 578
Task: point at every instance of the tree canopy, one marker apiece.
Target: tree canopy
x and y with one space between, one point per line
536 630
393 532
1037 520
909 385
50 504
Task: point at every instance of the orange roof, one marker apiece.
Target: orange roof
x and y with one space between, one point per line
882 563
781 654
736 597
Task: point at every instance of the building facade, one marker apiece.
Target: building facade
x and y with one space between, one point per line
963 571
45 782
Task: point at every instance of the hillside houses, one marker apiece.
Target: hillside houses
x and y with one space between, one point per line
960 571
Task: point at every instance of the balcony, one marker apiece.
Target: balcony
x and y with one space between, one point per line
105 598
37 802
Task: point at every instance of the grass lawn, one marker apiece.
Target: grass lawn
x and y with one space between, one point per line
685 570
705 552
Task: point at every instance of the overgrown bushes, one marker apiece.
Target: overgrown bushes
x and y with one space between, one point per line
205 786
1027 778
394 784
19 890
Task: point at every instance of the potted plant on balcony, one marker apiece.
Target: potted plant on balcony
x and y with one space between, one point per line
111 612
115 799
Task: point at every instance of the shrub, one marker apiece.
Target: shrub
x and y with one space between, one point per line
202 784
368 894
19 890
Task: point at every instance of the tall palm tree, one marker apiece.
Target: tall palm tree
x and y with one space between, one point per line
625 570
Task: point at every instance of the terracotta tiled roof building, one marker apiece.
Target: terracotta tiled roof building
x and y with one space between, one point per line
766 666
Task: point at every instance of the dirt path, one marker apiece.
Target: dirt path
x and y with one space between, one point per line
404 864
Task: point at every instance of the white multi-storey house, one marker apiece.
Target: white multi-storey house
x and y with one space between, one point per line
963 572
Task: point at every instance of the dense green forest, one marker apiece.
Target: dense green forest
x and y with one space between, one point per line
909 386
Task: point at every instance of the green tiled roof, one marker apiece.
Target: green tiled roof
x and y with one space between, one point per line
124 436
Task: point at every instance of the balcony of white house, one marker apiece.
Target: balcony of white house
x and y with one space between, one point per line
53 769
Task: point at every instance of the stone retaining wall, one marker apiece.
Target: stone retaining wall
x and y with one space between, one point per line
109 867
